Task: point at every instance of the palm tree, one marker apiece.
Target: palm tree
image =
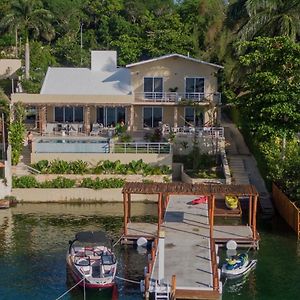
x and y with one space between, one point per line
271 18
30 18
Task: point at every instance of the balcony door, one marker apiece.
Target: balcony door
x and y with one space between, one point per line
194 88
193 117
153 87
152 116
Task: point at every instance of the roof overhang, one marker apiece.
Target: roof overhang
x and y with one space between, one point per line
174 55
39 99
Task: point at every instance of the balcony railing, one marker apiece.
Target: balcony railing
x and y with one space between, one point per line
177 97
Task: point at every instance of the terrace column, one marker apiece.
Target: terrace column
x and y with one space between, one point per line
42 118
176 116
87 120
131 118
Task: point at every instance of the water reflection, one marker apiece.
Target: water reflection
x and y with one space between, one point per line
33 246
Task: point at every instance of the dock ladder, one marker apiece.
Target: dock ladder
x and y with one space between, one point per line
162 291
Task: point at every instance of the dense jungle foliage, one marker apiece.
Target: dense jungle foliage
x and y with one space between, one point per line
256 41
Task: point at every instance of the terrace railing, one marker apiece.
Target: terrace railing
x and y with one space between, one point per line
141 147
217 132
177 97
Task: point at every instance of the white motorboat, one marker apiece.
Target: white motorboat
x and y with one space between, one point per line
96 263
237 266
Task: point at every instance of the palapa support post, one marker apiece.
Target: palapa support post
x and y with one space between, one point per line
125 196
213 204
159 206
210 217
173 287
147 285
129 208
250 210
254 217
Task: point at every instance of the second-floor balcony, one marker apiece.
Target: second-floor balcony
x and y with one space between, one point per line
174 97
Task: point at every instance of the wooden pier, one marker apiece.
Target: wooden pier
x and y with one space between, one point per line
190 263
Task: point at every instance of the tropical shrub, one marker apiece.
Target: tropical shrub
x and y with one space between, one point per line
31 182
102 167
17 132
102 183
58 183
24 182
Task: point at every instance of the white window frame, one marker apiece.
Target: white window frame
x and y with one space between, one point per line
153 77
194 119
105 113
194 77
152 107
64 115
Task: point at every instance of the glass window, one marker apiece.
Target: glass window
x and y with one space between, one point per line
194 85
193 117
148 84
153 87
110 116
189 115
157 116
58 114
152 116
100 115
69 114
199 85
78 114
147 116
120 114
189 85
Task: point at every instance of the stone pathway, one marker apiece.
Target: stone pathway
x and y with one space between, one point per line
243 165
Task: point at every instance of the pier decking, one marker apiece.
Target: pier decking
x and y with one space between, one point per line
190 260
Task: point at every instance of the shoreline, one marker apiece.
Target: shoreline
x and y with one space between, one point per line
75 195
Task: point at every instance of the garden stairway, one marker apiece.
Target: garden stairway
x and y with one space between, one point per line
243 165
23 167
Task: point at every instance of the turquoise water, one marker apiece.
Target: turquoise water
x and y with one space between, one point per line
34 241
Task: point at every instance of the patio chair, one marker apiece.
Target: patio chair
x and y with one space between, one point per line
50 128
73 129
96 129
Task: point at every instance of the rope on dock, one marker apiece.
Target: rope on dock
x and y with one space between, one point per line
65 293
128 280
117 242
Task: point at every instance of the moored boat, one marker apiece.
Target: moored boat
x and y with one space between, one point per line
237 266
231 201
90 258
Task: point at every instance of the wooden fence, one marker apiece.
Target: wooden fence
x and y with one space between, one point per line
287 209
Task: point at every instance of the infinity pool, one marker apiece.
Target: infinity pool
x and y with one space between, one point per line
69 145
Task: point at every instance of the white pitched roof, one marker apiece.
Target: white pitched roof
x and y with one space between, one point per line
174 55
83 81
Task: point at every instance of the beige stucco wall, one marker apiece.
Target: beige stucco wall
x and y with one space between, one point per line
93 158
174 70
71 99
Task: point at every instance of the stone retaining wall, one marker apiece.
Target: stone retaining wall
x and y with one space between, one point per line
75 195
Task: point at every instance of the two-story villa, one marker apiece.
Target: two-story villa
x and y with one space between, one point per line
173 89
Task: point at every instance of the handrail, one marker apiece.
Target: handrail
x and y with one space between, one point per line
200 131
33 170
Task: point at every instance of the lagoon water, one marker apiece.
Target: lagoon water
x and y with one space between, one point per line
34 240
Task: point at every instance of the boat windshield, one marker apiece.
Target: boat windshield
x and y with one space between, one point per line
82 261
108 259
